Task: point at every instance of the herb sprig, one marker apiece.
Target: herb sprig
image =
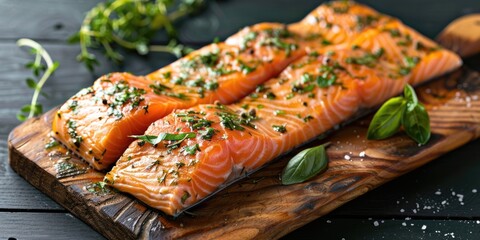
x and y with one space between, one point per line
37 66
398 111
131 25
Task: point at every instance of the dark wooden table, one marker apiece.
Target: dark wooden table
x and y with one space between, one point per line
438 201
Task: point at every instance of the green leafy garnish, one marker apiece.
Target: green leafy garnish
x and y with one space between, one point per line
191 150
305 165
398 111
154 140
131 25
34 109
368 59
415 119
387 120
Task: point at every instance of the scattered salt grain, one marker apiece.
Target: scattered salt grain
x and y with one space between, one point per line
404 224
424 227
329 221
361 154
438 192
376 224
347 157
474 190
402 210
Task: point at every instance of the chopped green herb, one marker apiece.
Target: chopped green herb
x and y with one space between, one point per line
207 134
279 112
191 150
72 131
245 68
367 59
53 143
185 196
154 140
98 188
280 128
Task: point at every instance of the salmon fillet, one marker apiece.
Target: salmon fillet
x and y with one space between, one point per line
96 122
314 94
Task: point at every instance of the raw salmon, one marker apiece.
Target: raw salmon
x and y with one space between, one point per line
96 122
338 22
216 144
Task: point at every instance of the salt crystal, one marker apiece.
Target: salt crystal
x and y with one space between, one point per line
329 221
460 197
402 210
376 224
347 157
438 192
404 224
414 211
361 154
474 190
424 227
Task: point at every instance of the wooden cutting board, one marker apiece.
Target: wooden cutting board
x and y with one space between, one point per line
258 206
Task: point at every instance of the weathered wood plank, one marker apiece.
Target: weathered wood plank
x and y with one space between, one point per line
259 206
446 187
24 225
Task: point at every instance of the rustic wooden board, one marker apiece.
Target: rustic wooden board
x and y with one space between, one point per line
259 206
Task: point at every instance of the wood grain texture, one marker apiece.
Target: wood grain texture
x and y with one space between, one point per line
259 206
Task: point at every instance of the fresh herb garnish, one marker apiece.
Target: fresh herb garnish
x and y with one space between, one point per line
410 63
34 109
72 131
305 165
245 68
122 94
415 119
98 188
280 128
233 121
53 143
185 196
191 150
369 59
154 140
131 24
398 111
387 120
208 133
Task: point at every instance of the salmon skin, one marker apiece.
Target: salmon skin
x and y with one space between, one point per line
96 122
216 144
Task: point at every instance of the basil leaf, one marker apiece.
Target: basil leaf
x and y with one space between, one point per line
410 96
417 123
154 140
305 165
387 120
